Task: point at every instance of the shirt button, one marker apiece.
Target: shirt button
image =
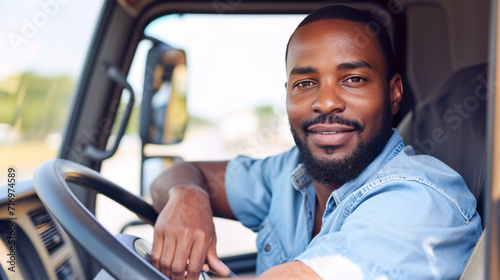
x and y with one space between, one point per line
267 248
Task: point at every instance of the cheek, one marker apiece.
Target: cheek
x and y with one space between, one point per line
377 118
296 112
368 111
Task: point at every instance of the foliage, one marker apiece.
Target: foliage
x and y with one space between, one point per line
265 114
35 105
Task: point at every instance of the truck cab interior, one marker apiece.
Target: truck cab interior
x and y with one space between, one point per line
445 51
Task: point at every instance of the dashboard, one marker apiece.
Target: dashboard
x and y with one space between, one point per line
32 244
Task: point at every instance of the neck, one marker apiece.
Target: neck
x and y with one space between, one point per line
323 192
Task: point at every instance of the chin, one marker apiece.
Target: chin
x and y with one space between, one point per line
331 152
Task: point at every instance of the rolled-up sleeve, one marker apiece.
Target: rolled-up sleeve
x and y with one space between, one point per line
250 184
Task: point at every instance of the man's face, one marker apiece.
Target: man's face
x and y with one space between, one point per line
339 102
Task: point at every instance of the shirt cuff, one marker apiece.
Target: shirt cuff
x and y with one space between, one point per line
333 267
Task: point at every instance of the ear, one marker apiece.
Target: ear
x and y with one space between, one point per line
395 92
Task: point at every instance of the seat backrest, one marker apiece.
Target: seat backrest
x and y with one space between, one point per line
451 126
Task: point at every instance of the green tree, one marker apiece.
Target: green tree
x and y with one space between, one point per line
35 105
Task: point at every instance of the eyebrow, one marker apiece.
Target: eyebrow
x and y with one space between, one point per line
351 65
303 70
354 65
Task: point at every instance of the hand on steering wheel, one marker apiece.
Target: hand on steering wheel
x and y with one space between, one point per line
185 234
51 183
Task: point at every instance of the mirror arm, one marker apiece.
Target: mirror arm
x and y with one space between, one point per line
100 155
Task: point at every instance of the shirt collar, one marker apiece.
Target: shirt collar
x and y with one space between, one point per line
300 177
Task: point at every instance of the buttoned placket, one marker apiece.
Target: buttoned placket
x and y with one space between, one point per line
303 183
309 203
331 204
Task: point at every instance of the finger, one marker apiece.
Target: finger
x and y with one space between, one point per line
167 257
180 258
215 263
197 259
205 268
157 249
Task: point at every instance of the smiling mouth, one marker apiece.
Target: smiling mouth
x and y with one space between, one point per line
330 134
327 132
327 129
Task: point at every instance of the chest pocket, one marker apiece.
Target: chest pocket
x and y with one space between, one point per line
269 247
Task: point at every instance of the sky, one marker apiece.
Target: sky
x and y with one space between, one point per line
50 37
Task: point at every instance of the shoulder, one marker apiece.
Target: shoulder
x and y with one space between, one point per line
419 181
428 172
407 162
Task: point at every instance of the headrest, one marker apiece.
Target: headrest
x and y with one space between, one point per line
451 126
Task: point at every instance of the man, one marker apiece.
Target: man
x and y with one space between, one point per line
350 201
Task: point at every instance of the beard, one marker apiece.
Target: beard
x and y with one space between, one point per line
340 171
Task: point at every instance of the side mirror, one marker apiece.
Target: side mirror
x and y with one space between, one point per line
163 111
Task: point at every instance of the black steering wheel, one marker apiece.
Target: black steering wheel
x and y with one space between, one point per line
51 184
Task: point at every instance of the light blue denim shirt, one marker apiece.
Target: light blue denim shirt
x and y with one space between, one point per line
406 216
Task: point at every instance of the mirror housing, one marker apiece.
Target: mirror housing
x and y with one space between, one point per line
163 110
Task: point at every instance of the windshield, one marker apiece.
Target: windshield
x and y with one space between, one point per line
44 45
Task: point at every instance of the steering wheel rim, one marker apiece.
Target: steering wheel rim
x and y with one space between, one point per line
51 184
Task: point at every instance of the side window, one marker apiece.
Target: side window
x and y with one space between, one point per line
43 49
235 100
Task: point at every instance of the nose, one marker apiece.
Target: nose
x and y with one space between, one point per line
328 100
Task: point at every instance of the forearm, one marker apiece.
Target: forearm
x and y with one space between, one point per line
291 270
183 174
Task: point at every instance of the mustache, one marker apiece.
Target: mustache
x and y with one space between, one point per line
331 119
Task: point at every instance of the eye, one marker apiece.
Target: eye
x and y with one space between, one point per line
355 80
304 84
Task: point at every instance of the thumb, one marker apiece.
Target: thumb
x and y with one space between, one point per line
215 263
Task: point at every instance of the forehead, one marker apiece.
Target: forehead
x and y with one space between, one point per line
334 41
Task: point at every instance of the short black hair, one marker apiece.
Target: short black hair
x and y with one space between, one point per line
351 14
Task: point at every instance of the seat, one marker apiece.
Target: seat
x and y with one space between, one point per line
451 119
451 126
